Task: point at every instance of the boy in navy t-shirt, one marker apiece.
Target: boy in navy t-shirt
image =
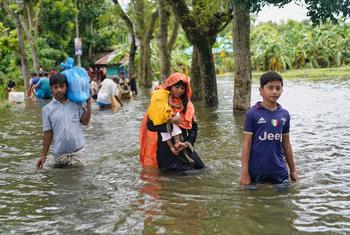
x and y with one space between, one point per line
266 143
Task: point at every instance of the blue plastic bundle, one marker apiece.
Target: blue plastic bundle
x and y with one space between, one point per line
78 81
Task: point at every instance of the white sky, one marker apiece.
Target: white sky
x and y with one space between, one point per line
275 14
270 13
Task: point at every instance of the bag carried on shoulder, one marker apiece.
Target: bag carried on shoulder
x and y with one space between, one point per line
78 82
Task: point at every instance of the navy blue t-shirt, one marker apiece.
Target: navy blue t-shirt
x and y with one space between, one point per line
267 128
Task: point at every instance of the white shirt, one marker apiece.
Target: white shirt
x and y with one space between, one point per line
64 121
108 89
93 87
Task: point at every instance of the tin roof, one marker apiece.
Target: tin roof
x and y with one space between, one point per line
107 58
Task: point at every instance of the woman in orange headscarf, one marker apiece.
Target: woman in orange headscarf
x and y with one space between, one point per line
154 151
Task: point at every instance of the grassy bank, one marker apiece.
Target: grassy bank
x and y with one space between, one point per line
311 74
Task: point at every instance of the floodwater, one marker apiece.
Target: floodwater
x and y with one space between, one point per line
112 194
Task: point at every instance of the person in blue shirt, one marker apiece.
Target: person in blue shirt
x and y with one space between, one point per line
62 126
33 81
42 88
266 144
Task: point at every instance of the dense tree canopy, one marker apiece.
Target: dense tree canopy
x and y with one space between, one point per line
47 37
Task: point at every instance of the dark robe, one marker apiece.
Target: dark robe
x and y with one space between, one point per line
184 161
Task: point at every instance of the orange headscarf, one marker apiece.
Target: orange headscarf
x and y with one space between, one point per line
149 139
187 117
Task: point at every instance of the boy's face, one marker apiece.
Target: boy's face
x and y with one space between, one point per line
271 91
59 91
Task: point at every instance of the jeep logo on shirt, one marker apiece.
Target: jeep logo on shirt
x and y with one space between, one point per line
271 136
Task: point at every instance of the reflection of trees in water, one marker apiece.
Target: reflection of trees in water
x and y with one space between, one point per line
273 201
238 127
168 209
207 119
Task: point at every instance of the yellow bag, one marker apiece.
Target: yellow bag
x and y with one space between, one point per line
159 111
115 104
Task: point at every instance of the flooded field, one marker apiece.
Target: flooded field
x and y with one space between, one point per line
113 194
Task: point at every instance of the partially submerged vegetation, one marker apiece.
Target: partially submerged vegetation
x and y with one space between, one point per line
342 73
314 74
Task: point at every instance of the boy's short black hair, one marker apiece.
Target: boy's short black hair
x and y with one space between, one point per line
58 78
121 72
270 76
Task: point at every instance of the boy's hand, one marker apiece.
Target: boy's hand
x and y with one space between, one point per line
245 179
294 176
175 120
174 151
40 162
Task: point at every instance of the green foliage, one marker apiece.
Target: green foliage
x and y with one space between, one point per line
179 57
323 10
2 91
294 45
58 23
9 63
50 57
284 46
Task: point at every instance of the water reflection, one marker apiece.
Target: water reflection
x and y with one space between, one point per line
112 194
167 197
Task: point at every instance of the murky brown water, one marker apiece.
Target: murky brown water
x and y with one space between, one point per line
112 194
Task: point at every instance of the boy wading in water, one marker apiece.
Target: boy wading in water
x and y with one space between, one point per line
266 143
62 126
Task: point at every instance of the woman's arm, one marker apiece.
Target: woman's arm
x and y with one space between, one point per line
163 127
158 128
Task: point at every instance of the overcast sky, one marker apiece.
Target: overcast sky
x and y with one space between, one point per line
275 14
268 13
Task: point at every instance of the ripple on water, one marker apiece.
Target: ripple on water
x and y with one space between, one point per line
112 194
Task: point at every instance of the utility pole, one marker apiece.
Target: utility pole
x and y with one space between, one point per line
77 41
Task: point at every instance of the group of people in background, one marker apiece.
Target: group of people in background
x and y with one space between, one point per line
39 85
102 87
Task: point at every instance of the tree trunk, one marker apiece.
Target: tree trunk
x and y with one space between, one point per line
142 55
133 47
173 36
32 43
196 80
25 28
29 16
202 37
164 52
91 44
28 27
132 55
23 57
146 59
21 47
243 72
33 27
208 75
36 22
